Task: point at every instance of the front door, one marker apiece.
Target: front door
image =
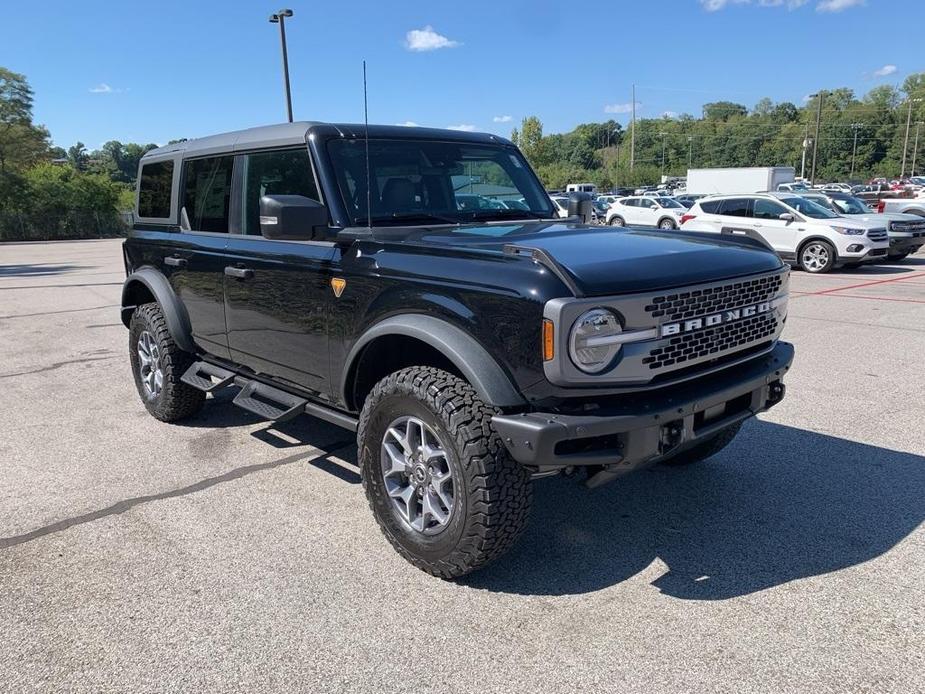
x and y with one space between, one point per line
278 293
779 233
646 214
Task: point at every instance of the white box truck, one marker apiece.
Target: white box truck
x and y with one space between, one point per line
754 179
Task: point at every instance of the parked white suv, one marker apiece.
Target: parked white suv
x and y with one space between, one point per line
638 210
799 230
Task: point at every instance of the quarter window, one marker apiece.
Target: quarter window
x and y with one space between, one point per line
154 189
768 209
286 172
207 194
710 206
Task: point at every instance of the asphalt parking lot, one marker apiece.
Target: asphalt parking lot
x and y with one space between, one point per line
220 555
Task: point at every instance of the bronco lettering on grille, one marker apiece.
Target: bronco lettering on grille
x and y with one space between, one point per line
714 319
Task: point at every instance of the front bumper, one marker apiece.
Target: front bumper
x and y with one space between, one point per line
905 243
643 428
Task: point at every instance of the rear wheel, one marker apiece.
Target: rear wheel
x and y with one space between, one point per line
617 221
817 256
438 479
704 450
157 364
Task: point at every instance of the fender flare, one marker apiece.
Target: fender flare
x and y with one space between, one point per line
178 324
474 362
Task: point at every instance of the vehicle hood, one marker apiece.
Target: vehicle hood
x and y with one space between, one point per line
857 221
883 217
602 260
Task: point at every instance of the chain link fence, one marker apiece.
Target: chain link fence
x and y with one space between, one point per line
69 224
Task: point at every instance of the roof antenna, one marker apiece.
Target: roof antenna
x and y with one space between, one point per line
369 190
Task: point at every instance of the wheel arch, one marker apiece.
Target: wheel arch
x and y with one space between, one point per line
422 336
816 237
146 285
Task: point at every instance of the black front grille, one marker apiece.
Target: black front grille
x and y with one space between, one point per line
698 302
702 343
917 229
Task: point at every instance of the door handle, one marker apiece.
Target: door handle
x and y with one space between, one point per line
175 261
241 273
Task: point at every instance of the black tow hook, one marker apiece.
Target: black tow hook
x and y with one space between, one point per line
670 436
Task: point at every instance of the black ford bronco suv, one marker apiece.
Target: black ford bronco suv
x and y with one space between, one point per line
415 285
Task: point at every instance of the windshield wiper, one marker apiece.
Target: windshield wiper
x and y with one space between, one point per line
413 217
507 213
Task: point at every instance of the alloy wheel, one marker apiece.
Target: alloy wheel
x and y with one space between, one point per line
151 371
417 475
815 257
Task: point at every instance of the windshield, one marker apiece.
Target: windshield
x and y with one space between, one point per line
668 202
851 206
809 208
433 181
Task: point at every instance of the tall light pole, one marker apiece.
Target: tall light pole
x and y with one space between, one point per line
819 97
690 151
854 149
280 18
662 135
915 147
906 140
633 133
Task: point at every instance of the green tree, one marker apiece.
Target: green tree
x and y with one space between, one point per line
22 143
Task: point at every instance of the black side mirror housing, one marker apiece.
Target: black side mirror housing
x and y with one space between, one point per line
579 205
292 217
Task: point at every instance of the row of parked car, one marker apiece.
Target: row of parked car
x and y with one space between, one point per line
817 230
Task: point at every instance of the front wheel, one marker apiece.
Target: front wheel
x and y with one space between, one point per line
817 257
439 481
666 224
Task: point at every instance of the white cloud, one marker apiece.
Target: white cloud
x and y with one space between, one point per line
885 70
427 39
669 114
502 119
465 127
837 5
716 5
408 124
621 108
103 88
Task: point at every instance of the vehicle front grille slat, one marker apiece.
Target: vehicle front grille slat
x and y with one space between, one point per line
877 234
721 338
696 302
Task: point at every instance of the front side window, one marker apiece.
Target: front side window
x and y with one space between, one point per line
154 189
768 209
737 207
809 208
207 194
432 181
284 172
669 203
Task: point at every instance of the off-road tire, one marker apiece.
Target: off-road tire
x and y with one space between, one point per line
492 492
176 400
704 450
617 221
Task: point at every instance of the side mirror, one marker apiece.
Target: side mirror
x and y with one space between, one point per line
786 216
580 205
292 217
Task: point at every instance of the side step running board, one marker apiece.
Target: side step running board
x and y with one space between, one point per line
200 376
269 402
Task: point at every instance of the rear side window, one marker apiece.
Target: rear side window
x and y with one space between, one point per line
207 194
285 172
154 189
736 207
710 206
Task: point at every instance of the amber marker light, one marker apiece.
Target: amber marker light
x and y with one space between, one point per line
549 341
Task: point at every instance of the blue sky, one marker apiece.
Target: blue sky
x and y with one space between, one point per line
158 70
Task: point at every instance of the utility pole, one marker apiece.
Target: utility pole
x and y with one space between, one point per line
663 135
819 97
690 151
280 18
906 140
633 133
915 147
806 143
854 149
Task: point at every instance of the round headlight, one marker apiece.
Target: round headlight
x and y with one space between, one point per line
592 343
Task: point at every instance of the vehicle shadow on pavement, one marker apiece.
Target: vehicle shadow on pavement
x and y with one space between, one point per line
36 270
778 504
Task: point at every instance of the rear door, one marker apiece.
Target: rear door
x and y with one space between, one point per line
735 215
278 293
195 261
